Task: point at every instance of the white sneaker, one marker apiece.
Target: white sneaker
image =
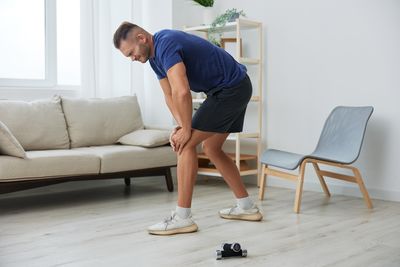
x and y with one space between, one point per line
237 213
173 225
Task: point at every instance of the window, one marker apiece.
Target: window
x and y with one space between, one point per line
40 43
22 48
68 42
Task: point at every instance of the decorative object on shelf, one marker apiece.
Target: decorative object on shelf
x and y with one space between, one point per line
209 14
229 45
214 33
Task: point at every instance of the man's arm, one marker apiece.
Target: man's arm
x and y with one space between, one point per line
181 97
179 101
166 87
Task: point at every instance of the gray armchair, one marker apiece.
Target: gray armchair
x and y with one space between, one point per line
339 145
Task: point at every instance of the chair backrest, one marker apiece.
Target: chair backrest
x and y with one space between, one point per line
343 133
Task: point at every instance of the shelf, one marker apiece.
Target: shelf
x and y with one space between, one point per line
214 172
233 136
229 27
250 61
201 100
207 168
198 100
231 155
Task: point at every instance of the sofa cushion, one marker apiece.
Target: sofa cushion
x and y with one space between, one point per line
37 125
117 158
48 163
9 145
96 121
146 138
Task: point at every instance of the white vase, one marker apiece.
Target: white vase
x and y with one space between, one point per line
208 15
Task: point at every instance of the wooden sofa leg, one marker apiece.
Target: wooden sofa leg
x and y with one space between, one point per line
127 181
168 180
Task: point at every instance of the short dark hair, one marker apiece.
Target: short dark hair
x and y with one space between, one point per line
122 32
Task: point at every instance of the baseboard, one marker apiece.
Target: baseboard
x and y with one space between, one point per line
345 189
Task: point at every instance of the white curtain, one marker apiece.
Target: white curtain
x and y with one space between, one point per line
105 72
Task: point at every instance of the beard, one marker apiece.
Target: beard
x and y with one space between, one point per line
144 53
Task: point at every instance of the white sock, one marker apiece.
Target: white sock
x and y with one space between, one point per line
245 203
183 213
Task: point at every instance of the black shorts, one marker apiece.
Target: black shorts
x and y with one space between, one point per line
223 110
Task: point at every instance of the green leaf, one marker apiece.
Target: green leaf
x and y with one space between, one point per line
214 33
205 3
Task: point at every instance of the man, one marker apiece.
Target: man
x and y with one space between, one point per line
184 62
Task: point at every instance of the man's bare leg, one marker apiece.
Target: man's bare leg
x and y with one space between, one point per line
187 172
245 208
212 147
188 166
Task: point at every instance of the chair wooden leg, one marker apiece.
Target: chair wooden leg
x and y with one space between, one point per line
262 182
321 179
299 188
363 189
259 176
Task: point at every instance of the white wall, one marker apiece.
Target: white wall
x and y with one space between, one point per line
319 54
186 13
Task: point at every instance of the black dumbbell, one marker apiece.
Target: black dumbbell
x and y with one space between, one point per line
235 247
231 250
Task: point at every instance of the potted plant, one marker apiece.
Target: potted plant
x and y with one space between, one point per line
208 15
214 33
205 3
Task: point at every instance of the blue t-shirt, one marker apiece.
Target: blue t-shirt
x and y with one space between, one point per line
208 67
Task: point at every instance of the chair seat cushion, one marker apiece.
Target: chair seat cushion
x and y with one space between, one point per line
116 158
48 163
282 159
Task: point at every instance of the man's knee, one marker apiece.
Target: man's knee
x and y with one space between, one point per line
189 147
210 150
195 140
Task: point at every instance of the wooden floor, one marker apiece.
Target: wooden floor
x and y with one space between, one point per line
101 224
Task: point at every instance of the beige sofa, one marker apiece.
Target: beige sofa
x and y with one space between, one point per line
64 139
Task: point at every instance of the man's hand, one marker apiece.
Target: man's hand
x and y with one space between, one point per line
171 141
180 138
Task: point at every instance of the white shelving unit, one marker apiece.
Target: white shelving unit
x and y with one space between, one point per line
241 160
